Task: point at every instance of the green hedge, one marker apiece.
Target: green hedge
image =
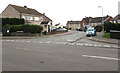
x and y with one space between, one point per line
12 21
111 26
27 28
98 28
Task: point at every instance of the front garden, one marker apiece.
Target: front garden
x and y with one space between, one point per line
16 26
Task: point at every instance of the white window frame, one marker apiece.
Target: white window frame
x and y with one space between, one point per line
37 18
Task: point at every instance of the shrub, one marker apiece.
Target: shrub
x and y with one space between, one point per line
66 27
98 28
27 28
12 21
111 26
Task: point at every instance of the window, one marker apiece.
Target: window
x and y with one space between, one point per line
31 18
23 17
37 18
28 17
41 18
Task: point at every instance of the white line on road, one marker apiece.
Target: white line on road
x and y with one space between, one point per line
100 57
28 41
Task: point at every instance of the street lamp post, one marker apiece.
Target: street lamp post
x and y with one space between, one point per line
102 16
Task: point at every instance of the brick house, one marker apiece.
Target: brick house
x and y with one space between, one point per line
30 15
116 19
95 21
73 24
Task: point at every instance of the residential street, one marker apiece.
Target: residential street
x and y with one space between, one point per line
71 51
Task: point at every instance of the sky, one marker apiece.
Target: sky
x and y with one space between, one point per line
61 11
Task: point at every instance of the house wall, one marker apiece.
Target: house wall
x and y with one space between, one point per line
33 19
10 12
47 27
73 26
94 24
118 21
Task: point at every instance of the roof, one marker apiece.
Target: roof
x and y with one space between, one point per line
85 20
57 24
117 17
29 11
44 22
26 10
95 20
98 19
74 22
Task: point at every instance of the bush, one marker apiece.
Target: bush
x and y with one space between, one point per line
27 28
12 21
111 26
98 28
66 28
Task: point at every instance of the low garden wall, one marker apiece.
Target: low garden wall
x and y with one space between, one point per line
115 34
24 34
56 32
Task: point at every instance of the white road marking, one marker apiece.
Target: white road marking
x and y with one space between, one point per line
23 49
47 42
64 43
70 40
100 57
22 41
95 45
40 42
106 46
28 41
12 40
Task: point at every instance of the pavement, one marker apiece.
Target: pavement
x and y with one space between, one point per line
99 38
32 37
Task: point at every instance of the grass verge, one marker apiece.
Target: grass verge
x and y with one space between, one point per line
106 35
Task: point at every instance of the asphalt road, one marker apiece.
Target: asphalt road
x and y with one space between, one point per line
64 52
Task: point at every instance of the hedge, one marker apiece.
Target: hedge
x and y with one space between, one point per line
27 28
98 28
111 26
12 21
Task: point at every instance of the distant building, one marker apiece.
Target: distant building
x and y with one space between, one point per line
31 16
96 20
59 25
73 24
116 19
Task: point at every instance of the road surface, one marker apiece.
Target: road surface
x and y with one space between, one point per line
63 52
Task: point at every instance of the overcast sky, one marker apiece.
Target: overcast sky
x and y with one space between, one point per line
61 11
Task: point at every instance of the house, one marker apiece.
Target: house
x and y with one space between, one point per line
116 19
30 15
73 24
95 21
59 25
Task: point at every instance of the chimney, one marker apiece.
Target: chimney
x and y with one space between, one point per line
43 13
25 7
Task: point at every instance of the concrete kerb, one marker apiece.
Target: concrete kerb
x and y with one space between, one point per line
31 37
99 40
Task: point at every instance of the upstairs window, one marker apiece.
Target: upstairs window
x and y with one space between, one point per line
37 18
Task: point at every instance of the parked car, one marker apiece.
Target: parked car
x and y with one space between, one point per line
90 32
61 29
86 27
79 29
